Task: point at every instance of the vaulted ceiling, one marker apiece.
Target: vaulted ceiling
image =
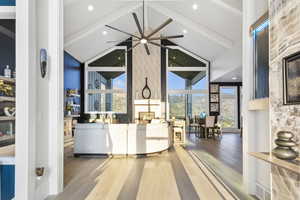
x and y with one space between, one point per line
213 30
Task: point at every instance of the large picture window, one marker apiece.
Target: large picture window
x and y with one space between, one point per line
106 83
187 83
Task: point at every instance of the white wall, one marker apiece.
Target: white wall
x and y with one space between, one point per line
227 62
256 135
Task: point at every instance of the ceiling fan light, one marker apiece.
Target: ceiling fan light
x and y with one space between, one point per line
143 41
104 32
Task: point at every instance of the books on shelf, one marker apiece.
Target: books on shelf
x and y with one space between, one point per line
7 118
73 95
4 98
11 80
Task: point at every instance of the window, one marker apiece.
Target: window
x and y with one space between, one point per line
228 107
106 83
261 60
187 83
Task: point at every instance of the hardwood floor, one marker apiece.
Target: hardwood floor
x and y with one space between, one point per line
76 168
224 157
228 149
171 175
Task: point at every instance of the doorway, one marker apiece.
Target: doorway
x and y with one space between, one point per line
229 115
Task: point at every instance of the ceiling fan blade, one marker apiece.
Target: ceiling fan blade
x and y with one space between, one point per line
130 49
166 37
147 49
159 45
122 41
138 24
116 29
160 27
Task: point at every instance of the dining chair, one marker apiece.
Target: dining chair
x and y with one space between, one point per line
210 126
193 126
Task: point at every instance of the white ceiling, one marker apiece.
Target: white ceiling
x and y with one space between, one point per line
214 29
235 75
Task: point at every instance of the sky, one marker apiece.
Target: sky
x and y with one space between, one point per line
175 82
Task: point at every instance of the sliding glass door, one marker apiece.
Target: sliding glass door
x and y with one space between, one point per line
229 107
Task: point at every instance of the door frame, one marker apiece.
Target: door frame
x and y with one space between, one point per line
27 67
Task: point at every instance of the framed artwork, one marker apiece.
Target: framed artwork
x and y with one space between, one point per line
214 107
291 79
214 88
214 98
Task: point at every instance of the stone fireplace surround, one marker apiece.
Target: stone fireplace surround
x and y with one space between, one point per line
284 41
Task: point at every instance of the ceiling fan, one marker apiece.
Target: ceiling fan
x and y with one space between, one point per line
143 38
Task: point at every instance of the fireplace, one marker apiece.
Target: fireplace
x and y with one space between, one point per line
146 117
146 110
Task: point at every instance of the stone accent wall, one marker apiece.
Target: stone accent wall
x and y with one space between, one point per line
284 41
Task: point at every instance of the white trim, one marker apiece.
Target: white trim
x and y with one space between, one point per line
96 91
104 53
228 7
167 106
7 12
187 92
106 69
56 77
190 54
25 153
185 69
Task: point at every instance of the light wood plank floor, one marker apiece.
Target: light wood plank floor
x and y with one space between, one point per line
228 149
171 175
224 157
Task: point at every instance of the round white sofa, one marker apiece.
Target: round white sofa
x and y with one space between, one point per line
121 139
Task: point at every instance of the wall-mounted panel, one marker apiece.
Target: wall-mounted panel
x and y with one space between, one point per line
7 2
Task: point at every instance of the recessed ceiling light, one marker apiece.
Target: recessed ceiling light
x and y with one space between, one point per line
195 6
104 33
184 31
234 78
90 8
